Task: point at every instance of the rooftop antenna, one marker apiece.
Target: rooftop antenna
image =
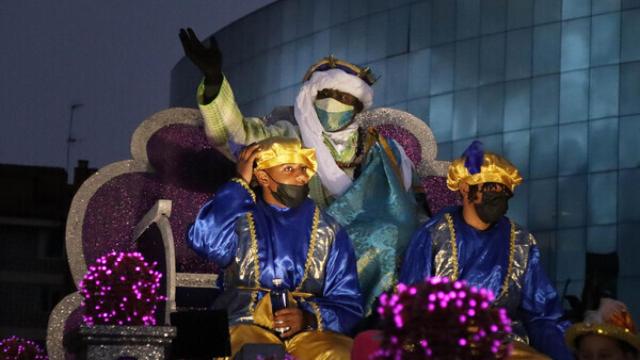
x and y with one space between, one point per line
70 139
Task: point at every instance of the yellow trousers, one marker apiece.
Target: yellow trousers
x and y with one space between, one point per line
304 345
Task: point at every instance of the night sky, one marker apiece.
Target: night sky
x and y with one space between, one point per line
108 60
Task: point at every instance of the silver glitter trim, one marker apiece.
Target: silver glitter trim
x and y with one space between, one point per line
139 342
429 166
75 220
196 280
159 214
57 320
157 121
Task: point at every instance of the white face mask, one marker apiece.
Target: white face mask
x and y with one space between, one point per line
333 114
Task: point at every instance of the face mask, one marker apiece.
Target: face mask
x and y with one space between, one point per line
291 196
493 206
333 114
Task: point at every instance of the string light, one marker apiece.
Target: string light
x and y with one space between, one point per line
16 348
442 319
121 289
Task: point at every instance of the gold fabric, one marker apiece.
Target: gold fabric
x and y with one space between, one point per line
280 150
624 333
524 351
305 345
494 168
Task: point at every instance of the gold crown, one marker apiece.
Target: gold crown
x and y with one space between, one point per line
494 168
331 62
278 150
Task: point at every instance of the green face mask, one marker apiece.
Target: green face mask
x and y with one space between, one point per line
333 114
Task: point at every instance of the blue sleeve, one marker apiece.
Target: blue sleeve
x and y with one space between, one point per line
213 233
417 260
542 311
339 309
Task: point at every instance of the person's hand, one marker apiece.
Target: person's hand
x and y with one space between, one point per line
244 166
610 308
208 60
292 318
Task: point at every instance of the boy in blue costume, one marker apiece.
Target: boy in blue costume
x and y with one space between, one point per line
280 234
478 244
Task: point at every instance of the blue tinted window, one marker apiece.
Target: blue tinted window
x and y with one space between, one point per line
572 201
441 116
630 88
492 143
572 156
601 6
492 49
442 60
546 49
467 62
574 96
544 152
493 15
445 151
515 147
467 18
517 100
547 11
419 68
519 13
397 79
377 32
339 36
519 54
603 99
542 204
602 198
357 44
603 145
602 239
419 108
289 25
490 109
358 8
629 196
339 11
576 8
443 21
545 100
630 31
420 26
605 39
519 205
575 44
570 244
464 114
628 147
398 31
628 250
321 44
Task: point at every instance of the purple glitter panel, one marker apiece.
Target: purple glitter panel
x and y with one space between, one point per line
438 194
409 143
73 323
188 170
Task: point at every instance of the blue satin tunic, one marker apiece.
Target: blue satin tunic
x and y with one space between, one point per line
255 242
483 258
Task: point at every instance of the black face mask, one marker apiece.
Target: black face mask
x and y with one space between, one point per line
291 196
493 206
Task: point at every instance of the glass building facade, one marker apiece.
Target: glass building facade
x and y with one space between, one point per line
553 85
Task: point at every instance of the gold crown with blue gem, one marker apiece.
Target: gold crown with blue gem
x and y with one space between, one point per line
331 62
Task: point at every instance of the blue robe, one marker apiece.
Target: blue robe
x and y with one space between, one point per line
302 246
483 257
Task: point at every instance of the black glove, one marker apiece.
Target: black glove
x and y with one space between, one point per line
208 60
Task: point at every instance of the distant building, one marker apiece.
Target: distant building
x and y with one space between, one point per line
34 275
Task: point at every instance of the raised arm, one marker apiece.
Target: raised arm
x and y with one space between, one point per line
224 123
213 233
